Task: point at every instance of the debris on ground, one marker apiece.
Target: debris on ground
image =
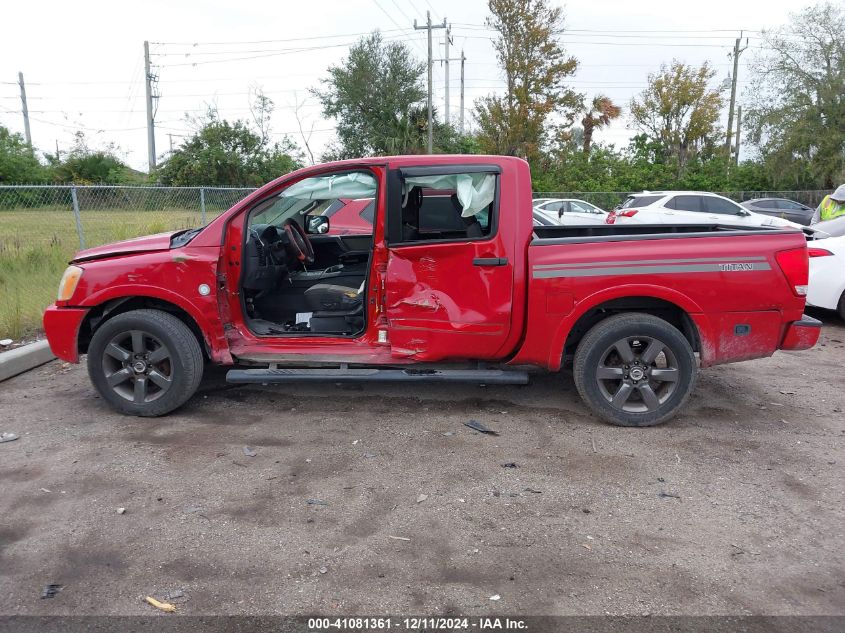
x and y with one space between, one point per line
475 425
421 498
323 570
8 437
398 538
50 591
495 597
249 452
121 510
316 502
510 465
175 594
369 455
533 491
670 495
448 433
161 606
45 490
593 442
6 342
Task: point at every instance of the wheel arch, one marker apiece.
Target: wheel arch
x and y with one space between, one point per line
660 307
102 312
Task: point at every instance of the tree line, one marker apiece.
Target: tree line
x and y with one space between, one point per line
794 118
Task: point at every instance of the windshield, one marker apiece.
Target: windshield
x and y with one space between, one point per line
314 196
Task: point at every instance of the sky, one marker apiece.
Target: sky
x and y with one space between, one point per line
83 61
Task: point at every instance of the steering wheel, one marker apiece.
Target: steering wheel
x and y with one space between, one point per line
299 244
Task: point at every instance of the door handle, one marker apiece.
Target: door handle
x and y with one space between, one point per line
490 261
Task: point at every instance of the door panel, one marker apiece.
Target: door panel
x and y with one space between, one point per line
442 305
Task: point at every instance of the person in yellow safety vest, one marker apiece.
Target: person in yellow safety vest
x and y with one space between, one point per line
832 206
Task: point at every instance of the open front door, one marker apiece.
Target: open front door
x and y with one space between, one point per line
449 282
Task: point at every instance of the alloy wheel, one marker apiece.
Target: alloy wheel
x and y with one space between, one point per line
637 374
137 366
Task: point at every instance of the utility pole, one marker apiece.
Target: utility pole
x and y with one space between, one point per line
25 110
58 154
428 27
170 136
738 135
737 52
151 134
463 63
446 60
463 60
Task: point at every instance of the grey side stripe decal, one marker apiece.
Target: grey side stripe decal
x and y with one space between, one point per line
637 262
652 270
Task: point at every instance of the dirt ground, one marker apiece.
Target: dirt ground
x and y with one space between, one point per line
735 507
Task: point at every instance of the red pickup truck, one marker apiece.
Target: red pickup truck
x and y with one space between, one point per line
453 283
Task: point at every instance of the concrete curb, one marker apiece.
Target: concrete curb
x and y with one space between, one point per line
21 359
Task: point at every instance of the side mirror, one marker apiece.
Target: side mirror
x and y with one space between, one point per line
317 224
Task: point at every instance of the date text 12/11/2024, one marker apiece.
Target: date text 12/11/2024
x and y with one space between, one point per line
417 624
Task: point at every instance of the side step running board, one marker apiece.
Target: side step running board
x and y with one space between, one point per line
277 376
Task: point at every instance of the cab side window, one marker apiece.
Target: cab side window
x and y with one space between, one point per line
456 207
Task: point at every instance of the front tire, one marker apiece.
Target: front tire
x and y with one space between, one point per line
634 369
145 362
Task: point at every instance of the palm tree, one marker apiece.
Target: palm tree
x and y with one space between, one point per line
600 113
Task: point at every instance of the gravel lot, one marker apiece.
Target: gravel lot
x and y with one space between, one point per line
735 507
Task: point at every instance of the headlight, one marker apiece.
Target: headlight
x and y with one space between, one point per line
67 286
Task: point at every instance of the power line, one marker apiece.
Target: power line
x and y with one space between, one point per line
291 39
289 51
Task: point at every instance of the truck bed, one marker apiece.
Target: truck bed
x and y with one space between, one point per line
723 283
548 235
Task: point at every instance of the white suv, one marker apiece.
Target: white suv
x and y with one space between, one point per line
689 207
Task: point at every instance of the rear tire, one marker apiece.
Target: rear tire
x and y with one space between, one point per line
145 362
635 369
841 307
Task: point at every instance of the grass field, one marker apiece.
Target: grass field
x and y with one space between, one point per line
36 245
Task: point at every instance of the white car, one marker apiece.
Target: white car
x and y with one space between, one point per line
827 274
569 211
689 207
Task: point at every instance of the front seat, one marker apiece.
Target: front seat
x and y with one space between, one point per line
333 298
335 309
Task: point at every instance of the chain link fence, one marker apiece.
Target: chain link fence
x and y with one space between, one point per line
610 199
42 226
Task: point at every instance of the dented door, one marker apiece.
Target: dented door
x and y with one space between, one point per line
449 300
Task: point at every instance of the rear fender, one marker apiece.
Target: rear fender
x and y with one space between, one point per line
692 309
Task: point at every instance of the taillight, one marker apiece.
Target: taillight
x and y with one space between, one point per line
627 213
795 264
818 252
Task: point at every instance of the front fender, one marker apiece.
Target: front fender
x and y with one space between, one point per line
203 312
